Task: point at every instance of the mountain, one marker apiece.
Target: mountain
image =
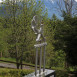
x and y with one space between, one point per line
2 10
49 5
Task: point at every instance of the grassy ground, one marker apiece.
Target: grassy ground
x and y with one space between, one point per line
20 73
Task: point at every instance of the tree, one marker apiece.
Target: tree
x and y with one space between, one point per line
4 33
21 40
66 6
49 29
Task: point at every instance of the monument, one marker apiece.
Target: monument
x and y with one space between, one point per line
37 27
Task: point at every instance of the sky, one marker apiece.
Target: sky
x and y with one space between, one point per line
49 4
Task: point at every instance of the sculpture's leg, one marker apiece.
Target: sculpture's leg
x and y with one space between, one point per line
38 37
36 61
40 59
43 37
44 59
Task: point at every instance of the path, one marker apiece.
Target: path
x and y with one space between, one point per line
11 65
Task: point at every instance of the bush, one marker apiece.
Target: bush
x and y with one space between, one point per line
61 73
14 72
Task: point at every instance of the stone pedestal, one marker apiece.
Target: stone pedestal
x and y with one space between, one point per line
47 73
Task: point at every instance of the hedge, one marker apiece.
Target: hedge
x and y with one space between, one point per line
14 72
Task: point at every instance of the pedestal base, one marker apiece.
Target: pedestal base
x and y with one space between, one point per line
47 73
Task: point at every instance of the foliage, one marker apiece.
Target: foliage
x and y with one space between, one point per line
65 36
58 60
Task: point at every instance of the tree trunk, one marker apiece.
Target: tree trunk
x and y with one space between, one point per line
17 58
66 64
21 59
1 54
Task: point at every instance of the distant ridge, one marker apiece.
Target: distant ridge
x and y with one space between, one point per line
2 10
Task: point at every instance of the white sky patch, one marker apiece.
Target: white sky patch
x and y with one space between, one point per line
1 1
76 0
52 1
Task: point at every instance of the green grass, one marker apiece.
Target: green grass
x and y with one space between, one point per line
14 72
8 59
13 60
58 68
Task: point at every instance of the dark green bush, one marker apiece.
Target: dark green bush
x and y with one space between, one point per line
61 73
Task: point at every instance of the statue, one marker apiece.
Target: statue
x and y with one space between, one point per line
37 27
40 46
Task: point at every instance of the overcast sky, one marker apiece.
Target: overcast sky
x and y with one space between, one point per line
46 0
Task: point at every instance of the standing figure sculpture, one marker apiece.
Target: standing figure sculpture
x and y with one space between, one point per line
37 27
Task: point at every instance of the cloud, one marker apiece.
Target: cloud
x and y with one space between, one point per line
52 1
1 1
